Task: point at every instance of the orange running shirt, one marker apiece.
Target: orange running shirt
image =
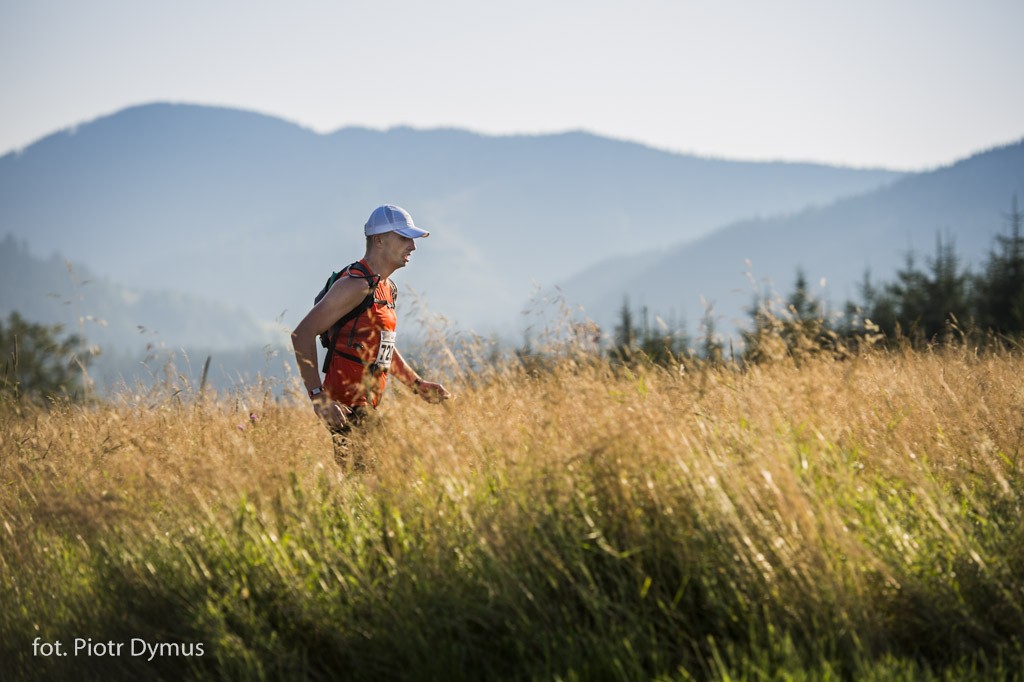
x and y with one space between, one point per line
357 374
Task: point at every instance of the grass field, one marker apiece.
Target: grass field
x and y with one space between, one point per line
855 519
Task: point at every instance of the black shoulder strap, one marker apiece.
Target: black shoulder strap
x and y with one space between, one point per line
329 338
363 273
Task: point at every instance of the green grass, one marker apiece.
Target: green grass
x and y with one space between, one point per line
857 520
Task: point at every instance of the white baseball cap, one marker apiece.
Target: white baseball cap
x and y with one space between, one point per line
389 218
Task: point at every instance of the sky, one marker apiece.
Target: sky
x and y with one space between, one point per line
904 84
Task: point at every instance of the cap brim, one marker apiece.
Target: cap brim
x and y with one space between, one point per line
413 232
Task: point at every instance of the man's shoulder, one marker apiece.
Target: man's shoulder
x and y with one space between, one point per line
347 286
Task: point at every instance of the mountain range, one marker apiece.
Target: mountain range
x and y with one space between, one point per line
870 234
252 213
56 291
216 226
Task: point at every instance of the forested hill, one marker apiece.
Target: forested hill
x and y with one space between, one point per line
115 317
965 203
254 211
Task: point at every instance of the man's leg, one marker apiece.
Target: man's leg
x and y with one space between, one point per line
344 452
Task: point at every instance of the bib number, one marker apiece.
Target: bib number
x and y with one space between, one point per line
386 350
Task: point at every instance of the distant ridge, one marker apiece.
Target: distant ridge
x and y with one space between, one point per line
253 211
55 291
965 202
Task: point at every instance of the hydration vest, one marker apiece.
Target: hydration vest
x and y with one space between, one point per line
360 344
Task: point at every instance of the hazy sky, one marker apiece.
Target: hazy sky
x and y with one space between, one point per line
905 84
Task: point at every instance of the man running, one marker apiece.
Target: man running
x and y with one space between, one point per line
361 353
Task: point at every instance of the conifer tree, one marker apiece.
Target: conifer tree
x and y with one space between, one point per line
923 302
36 363
1000 291
625 333
798 329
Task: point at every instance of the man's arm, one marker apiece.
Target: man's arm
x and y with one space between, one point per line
346 294
428 390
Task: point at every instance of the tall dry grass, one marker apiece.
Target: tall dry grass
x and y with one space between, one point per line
827 519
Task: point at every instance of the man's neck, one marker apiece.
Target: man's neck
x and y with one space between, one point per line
377 266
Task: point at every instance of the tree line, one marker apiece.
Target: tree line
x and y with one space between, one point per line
934 302
927 302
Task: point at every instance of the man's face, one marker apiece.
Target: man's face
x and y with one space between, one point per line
398 249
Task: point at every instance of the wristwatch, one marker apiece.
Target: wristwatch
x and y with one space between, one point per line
315 392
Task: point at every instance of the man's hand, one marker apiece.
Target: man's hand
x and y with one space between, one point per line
334 414
431 392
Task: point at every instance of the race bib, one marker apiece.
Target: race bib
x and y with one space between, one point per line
386 350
